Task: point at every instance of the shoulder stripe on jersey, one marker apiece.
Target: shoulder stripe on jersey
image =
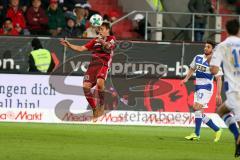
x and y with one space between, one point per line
206 63
199 59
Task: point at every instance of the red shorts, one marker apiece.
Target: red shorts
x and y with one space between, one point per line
94 72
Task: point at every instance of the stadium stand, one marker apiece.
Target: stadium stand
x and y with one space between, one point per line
226 8
114 9
123 29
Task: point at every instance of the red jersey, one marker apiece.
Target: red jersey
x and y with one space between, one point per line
13 32
40 15
17 17
99 53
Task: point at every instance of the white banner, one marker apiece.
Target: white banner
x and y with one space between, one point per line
35 92
30 98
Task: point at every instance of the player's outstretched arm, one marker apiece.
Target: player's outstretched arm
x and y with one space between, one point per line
72 46
219 89
189 74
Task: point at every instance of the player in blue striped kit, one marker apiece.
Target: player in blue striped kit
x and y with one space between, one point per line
204 91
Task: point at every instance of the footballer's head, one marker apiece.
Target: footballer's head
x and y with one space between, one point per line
232 27
208 48
105 29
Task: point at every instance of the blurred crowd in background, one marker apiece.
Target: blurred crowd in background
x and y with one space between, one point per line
58 18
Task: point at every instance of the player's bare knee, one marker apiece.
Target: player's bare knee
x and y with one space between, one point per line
197 106
100 84
194 106
86 87
100 87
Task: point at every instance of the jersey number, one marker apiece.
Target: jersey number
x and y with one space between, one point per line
236 55
200 95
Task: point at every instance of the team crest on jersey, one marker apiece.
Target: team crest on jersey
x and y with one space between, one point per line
112 41
86 77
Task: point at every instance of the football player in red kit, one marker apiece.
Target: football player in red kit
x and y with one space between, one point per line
102 51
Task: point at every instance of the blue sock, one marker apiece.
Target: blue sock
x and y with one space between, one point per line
198 122
210 123
233 128
230 122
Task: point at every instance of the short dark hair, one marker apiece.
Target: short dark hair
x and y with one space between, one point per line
211 42
108 26
36 44
232 27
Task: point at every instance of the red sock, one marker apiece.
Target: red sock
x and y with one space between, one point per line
90 99
101 97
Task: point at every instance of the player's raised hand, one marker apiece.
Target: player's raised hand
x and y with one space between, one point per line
64 42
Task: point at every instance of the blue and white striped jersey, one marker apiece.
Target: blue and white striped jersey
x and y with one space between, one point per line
204 78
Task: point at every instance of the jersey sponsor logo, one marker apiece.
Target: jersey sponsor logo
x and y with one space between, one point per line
201 68
22 115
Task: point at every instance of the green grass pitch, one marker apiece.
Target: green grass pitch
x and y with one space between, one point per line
28 141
